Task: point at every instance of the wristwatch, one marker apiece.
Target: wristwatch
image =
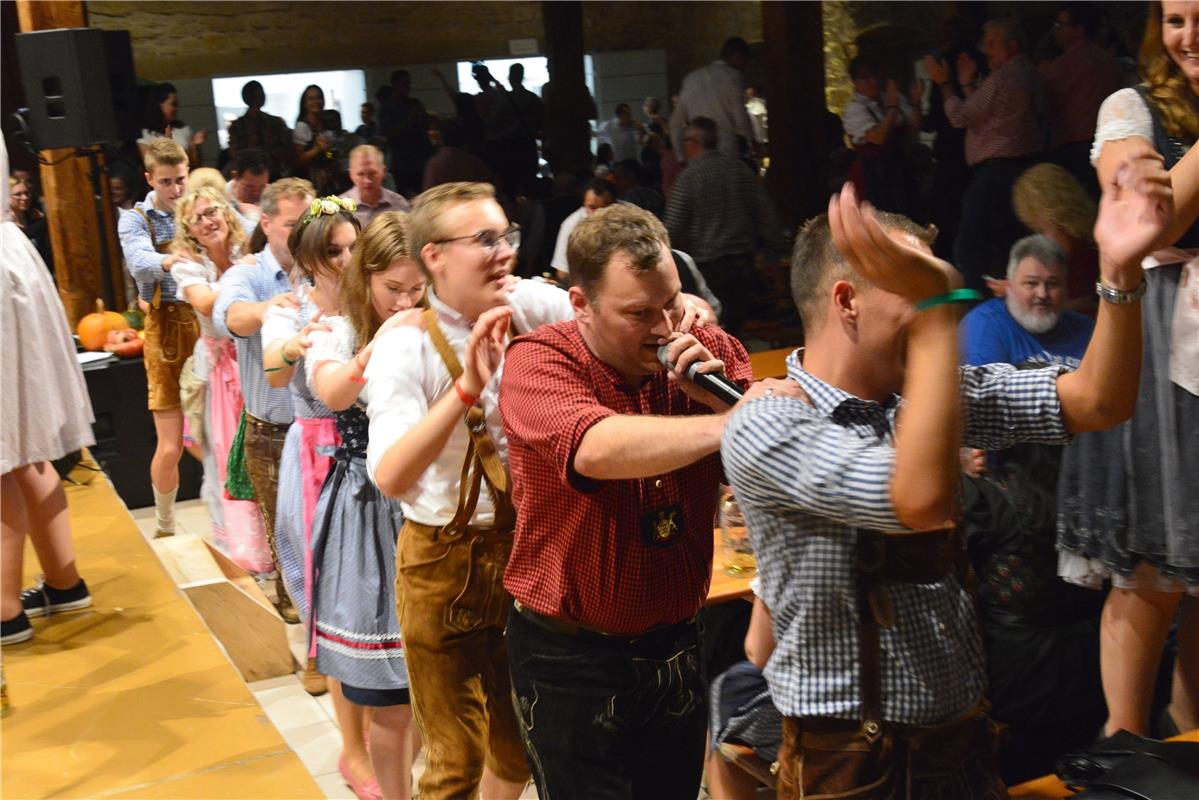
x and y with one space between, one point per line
1117 297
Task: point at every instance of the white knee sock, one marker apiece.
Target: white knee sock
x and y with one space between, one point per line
164 508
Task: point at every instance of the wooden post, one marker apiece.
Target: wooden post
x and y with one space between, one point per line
794 40
568 108
67 188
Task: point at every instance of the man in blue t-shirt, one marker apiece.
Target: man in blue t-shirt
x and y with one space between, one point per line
1030 325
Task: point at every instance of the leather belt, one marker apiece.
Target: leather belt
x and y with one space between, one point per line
567 627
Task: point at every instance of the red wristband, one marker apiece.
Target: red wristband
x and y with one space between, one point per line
469 399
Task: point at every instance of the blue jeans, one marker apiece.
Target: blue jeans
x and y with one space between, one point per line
610 717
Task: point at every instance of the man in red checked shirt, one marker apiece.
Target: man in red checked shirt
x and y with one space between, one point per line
615 465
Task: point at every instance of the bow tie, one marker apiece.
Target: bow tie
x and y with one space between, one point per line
853 411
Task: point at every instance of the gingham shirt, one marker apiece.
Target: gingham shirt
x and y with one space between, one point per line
580 552
253 283
807 476
143 261
1004 116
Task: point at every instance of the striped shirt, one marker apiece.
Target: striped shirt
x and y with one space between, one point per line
1003 118
253 283
807 477
138 236
718 209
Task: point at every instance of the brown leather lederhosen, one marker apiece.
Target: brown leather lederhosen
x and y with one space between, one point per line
171 333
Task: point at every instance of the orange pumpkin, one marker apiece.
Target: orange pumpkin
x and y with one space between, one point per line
93 329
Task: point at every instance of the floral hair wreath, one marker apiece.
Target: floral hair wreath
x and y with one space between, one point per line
328 205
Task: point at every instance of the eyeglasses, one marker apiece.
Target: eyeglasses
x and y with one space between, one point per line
207 214
488 240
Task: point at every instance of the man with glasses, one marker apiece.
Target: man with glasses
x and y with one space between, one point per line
451 479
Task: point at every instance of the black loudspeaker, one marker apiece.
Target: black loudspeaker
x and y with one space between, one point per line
126 100
66 80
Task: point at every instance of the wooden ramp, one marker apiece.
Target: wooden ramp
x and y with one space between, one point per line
133 698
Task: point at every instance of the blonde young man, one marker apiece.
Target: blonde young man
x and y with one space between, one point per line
145 232
458 534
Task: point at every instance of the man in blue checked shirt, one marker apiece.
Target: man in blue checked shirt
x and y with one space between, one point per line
879 668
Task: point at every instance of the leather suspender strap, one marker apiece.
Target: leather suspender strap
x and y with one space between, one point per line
870 554
481 449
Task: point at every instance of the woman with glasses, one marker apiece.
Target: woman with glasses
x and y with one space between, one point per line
355 626
209 238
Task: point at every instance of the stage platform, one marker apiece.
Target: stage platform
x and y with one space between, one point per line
133 698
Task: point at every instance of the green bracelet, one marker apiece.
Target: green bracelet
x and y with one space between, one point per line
283 353
955 296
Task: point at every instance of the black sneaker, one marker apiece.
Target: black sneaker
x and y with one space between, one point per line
16 630
43 600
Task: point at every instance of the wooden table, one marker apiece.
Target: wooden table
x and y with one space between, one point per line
770 363
1050 788
724 586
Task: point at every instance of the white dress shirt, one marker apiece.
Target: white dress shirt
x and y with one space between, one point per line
406 376
568 226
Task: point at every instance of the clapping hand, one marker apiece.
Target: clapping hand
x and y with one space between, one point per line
1135 211
937 69
485 349
884 259
967 69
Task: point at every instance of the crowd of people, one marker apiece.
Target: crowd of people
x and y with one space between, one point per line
489 498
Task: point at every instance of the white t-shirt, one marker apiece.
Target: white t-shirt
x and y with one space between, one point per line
558 262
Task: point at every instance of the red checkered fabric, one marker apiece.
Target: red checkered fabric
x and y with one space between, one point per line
579 552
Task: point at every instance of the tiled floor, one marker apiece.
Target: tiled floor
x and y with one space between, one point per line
306 723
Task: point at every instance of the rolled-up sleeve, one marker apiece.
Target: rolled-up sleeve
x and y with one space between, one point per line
396 399
1003 405
144 262
236 286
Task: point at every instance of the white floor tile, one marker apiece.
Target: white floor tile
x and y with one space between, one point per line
290 707
271 683
334 786
318 746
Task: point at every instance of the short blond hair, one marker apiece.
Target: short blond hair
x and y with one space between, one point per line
200 177
163 152
424 221
284 189
183 242
1046 196
368 151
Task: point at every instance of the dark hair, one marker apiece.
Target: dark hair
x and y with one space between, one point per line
1085 15
703 131
604 153
452 132
252 159
248 88
331 118
399 74
517 69
383 94
311 236
625 106
599 186
865 67
155 122
370 105
735 46
307 89
617 228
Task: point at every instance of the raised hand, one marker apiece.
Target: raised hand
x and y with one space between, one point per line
1135 211
883 259
891 93
937 69
303 340
485 349
967 69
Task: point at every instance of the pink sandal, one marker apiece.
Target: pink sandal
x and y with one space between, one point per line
364 790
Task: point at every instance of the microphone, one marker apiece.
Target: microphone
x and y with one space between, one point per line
713 382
